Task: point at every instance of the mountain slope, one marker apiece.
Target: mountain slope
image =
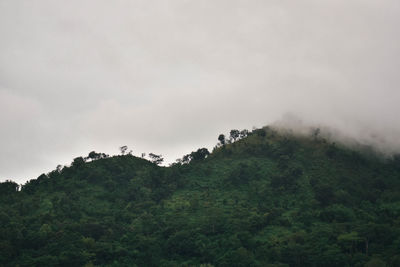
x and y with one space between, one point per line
268 199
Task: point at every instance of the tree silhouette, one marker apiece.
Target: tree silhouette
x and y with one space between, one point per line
221 139
200 154
157 159
123 149
234 134
243 133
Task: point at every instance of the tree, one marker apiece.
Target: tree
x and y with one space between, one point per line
200 154
324 194
93 156
8 187
123 149
331 151
349 240
221 139
59 168
186 159
260 132
234 134
77 162
157 159
243 133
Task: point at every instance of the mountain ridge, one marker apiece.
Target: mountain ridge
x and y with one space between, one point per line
265 199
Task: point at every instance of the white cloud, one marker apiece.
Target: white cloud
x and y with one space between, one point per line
169 76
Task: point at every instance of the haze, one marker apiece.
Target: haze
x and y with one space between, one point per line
168 76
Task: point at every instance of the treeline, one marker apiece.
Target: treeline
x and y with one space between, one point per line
261 198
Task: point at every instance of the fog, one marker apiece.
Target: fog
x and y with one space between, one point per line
168 76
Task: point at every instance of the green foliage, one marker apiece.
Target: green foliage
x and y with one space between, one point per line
198 155
8 187
221 139
156 159
265 199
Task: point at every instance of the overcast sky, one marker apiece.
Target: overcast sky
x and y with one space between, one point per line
168 76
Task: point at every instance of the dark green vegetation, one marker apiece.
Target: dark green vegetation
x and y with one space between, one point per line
265 200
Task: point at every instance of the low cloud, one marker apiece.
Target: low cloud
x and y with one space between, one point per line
168 77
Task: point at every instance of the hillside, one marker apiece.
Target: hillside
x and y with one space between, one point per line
267 199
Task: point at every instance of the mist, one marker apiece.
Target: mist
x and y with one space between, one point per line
168 76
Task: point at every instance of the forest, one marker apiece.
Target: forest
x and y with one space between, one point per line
259 198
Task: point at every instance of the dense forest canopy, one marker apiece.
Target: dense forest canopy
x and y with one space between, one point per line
260 198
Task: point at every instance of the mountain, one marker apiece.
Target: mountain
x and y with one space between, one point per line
264 198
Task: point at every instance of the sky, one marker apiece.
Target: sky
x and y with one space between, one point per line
169 76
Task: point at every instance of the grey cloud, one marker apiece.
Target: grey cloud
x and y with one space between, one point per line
169 76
